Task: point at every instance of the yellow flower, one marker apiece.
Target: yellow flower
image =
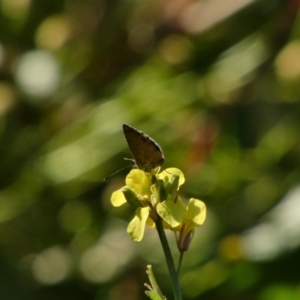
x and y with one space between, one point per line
155 196
138 181
137 192
195 214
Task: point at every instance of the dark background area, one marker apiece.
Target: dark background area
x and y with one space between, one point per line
215 83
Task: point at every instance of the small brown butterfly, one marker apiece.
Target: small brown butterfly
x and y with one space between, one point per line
146 152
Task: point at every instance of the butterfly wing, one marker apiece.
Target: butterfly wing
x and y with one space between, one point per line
146 152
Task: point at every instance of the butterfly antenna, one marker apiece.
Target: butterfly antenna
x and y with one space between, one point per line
105 178
129 159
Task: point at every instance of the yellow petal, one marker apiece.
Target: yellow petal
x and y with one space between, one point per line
117 198
170 213
196 211
168 173
150 223
139 181
136 227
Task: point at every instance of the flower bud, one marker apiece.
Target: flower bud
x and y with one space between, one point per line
173 185
131 197
185 238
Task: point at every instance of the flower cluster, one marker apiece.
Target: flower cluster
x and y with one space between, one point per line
155 197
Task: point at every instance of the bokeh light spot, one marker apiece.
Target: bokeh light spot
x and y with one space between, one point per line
15 9
260 243
8 96
287 63
53 33
198 16
71 161
280 292
51 266
38 74
75 216
235 67
230 247
176 49
101 262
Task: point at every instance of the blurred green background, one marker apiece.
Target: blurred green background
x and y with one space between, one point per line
216 83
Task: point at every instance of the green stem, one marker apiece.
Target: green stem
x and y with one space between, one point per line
169 259
180 262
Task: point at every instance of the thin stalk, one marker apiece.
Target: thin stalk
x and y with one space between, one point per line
180 262
169 259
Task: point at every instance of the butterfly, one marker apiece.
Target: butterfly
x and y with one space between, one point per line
146 152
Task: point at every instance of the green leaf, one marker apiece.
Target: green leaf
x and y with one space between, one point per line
154 291
154 296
